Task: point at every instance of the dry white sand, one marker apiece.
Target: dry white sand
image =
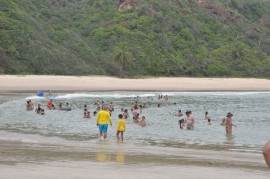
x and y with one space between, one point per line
96 83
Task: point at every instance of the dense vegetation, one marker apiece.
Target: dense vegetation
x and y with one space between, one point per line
153 37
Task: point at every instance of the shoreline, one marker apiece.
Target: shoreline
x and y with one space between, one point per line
32 83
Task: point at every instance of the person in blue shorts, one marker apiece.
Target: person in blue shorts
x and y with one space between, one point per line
103 119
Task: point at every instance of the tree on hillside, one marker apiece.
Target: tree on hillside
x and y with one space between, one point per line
122 59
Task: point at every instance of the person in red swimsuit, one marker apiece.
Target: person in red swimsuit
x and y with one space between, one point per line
49 104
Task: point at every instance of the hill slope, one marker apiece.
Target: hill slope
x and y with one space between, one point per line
135 37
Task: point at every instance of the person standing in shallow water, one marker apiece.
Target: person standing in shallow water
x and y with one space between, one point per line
103 119
29 106
121 127
229 124
266 153
190 120
207 118
49 104
143 122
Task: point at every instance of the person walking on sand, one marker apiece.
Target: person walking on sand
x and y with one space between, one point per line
121 127
229 124
103 119
266 153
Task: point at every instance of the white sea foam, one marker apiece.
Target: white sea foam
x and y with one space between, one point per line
129 95
213 93
35 97
114 95
29 138
236 93
8 136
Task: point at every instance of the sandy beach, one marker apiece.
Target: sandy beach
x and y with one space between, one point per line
39 161
62 159
95 83
85 170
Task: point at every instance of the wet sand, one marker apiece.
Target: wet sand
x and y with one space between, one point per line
111 160
86 170
28 160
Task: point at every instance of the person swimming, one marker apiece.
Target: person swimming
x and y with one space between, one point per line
60 106
85 108
87 114
38 109
66 108
42 112
29 105
143 122
180 114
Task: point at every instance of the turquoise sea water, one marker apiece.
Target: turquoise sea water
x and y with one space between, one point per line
250 109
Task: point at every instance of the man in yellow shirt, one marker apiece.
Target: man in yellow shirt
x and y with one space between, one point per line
103 119
121 127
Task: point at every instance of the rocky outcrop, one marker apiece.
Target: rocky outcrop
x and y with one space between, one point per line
219 12
125 5
263 23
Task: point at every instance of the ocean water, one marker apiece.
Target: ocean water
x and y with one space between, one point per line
250 109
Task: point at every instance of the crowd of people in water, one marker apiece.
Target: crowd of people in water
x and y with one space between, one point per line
135 110
103 113
135 114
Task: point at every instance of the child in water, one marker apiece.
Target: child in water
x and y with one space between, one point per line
121 127
142 122
29 106
181 122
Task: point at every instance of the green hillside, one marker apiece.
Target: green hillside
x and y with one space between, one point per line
132 38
